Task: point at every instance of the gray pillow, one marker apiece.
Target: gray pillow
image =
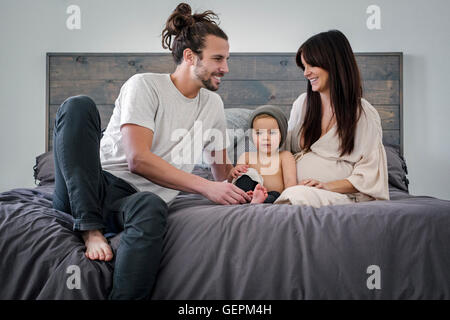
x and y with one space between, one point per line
44 169
397 169
238 126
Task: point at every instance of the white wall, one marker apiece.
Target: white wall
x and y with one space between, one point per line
420 29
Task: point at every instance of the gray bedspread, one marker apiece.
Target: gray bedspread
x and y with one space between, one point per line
246 251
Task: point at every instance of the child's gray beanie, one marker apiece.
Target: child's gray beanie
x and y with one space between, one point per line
277 114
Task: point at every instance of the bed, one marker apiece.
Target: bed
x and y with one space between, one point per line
396 249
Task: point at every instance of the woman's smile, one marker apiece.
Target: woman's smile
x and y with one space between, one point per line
317 76
312 80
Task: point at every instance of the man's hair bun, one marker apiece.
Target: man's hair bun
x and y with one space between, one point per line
181 18
186 30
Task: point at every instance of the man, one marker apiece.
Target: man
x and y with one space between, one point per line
124 180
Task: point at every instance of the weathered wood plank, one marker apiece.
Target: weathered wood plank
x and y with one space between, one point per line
284 67
260 92
391 137
85 67
101 91
376 67
232 92
104 110
382 92
389 116
242 67
285 92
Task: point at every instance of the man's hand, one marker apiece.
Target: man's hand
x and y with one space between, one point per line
225 193
137 143
237 171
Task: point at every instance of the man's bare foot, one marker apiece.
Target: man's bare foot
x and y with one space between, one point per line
97 247
259 194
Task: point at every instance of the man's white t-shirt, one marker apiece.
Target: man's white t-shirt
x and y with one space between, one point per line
182 127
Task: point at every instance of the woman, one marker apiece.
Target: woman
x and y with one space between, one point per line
333 132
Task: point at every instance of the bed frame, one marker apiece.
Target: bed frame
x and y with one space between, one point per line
254 79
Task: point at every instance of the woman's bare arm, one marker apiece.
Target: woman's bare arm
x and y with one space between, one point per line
340 186
289 169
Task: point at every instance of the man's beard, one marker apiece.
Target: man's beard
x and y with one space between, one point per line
201 73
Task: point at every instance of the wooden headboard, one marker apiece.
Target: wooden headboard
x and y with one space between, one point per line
254 79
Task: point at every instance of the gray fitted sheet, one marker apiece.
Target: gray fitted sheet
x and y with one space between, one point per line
246 251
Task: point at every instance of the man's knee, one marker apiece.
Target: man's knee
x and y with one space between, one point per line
146 206
79 106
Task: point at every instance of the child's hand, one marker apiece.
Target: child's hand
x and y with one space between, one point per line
238 171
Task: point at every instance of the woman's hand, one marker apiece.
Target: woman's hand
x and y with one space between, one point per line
341 186
237 171
313 183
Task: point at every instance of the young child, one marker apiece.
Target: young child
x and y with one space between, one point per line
264 174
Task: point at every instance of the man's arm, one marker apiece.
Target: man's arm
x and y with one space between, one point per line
221 166
137 142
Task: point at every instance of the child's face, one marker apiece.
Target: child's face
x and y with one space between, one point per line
266 135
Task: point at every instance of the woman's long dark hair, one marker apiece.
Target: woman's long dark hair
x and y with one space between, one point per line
189 31
332 51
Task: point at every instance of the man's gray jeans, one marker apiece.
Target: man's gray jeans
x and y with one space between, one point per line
99 200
